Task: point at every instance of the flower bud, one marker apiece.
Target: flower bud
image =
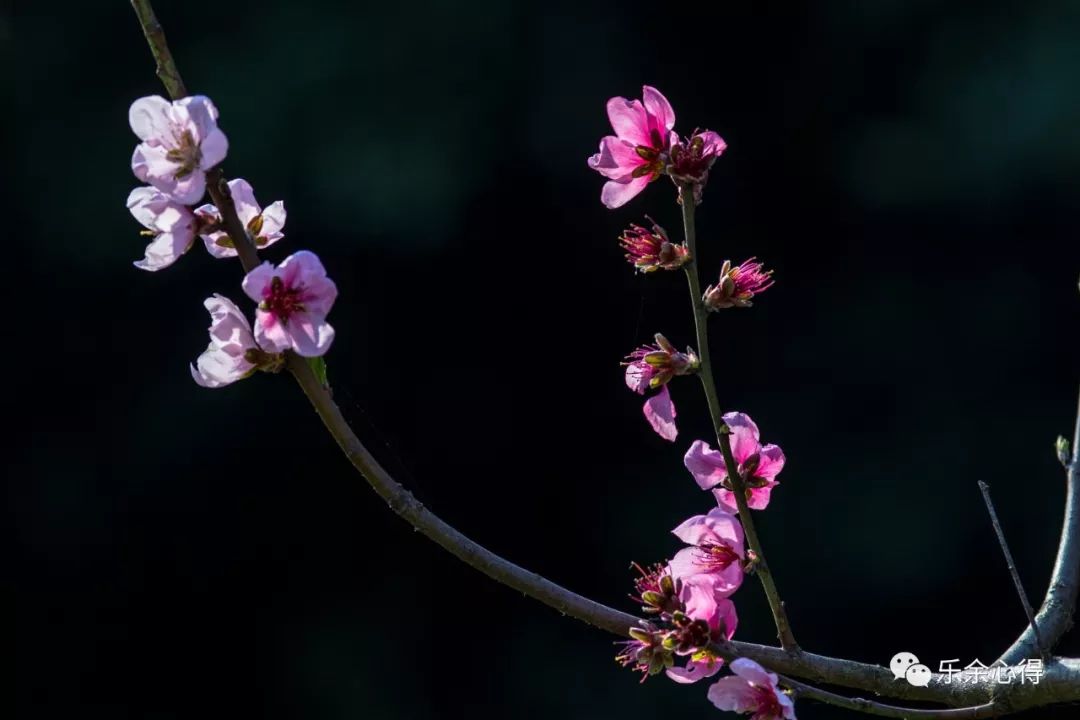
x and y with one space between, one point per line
737 285
650 250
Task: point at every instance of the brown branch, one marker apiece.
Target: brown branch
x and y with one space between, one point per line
1055 617
1061 682
985 489
870 707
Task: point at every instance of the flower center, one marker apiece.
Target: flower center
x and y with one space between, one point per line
186 155
768 706
717 557
283 301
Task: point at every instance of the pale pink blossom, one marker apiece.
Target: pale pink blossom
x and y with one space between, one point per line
651 367
758 465
263 225
171 225
233 353
752 689
705 603
637 153
716 550
294 299
180 142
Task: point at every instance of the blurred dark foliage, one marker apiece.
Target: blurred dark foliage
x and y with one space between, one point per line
910 169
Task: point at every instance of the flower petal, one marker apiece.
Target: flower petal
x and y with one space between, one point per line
273 222
243 197
705 464
695 670
753 672
616 159
256 284
214 148
310 338
629 120
660 412
734 694
166 249
744 435
659 108
772 462
616 194
149 118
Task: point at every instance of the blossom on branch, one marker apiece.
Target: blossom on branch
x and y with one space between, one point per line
233 353
758 465
650 250
752 689
294 299
716 552
691 159
638 152
713 619
651 367
737 285
263 225
171 225
180 143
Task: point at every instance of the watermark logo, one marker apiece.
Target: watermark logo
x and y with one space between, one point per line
906 666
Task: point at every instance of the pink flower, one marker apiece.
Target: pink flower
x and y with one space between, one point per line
752 689
651 250
692 159
758 464
651 367
738 285
716 550
294 300
638 152
171 225
232 354
704 604
264 226
180 142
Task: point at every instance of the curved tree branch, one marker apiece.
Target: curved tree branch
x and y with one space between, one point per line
1055 616
1060 682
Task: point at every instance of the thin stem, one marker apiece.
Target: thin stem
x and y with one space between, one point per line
155 36
1055 616
701 317
871 707
985 489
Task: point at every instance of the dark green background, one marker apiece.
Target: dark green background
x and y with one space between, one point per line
910 169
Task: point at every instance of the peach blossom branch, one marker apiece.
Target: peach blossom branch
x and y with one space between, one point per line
708 382
1060 683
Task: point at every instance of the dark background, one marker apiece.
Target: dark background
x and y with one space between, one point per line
910 169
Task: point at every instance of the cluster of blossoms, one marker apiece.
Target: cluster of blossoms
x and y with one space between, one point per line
180 144
644 147
688 600
689 597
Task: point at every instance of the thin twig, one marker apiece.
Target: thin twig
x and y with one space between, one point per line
985 489
776 605
870 707
1055 616
155 36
